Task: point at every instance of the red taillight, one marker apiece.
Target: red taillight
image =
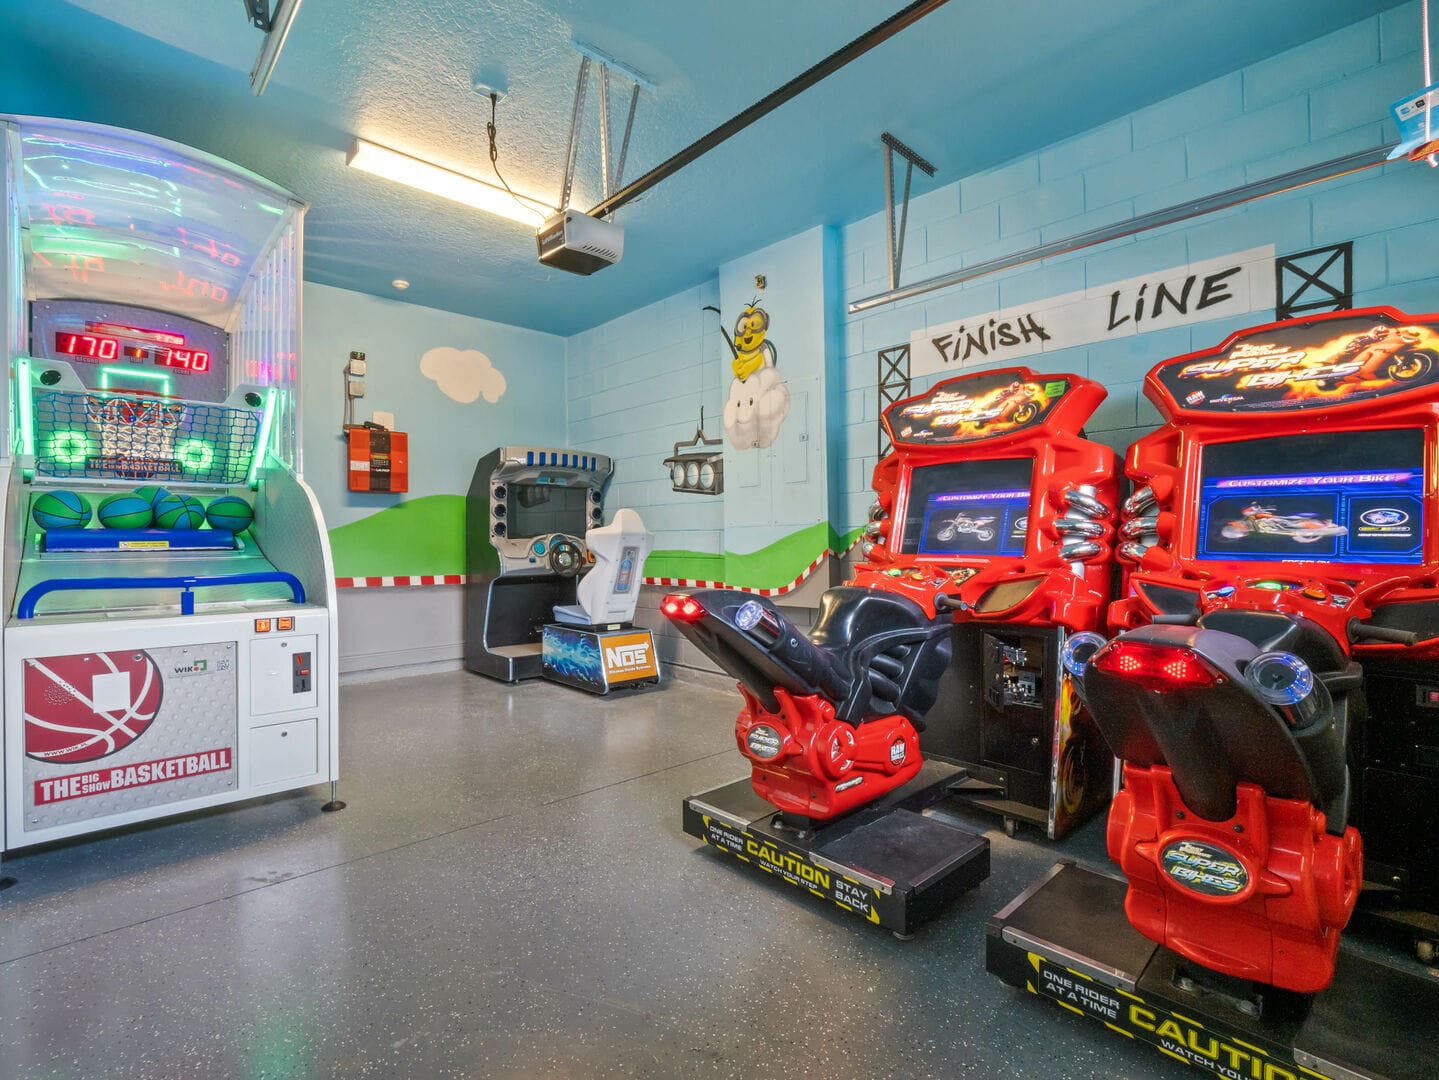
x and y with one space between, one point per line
682 607
1155 667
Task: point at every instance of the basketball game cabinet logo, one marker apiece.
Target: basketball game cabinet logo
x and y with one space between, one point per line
80 708
102 734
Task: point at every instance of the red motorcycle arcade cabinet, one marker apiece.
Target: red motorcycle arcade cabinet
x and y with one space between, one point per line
830 724
1279 548
993 506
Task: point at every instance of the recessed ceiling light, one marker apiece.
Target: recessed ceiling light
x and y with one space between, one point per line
415 173
400 283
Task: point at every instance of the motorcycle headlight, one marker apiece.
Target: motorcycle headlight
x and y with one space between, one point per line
1078 648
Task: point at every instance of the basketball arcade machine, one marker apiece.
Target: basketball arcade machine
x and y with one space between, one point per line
994 506
152 318
1284 565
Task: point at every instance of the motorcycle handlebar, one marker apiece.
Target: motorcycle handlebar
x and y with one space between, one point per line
1360 633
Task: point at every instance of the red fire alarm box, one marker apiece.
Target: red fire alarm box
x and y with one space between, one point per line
379 459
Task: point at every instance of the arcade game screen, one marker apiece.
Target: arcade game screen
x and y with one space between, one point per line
1343 497
968 508
543 508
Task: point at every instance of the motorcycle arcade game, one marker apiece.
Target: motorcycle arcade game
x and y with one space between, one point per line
1280 551
526 515
995 507
155 664
834 721
836 798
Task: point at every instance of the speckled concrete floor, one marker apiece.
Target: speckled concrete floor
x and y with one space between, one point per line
508 894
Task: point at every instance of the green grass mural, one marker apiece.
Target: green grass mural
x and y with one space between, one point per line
417 536
427 536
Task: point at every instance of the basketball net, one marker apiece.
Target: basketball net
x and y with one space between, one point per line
135 434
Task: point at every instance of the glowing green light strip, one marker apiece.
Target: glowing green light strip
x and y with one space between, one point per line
262 441
133 372
26 405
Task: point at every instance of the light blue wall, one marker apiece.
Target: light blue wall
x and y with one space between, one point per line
775 491
1312 104
635 387
446 436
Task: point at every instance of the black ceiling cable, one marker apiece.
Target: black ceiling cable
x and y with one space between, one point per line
491 131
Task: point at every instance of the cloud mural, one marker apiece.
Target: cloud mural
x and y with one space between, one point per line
755 410
463 374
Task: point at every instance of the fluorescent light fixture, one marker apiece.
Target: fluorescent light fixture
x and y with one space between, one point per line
415 173
284 16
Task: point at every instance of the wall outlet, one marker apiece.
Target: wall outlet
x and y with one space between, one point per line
384 419
356 367
355 388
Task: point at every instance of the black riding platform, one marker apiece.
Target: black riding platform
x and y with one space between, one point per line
887 863
1067 939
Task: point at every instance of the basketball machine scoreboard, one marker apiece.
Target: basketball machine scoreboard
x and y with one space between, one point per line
168 592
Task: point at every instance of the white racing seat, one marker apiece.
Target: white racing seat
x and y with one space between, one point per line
608 593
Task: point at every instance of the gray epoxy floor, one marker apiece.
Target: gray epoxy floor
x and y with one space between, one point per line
508 894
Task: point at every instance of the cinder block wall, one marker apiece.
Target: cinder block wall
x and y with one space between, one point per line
1311 104
1320 101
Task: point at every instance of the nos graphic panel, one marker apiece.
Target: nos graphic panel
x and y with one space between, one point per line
111 732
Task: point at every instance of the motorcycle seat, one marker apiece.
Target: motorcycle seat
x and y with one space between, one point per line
1273 631
1212 738
886 676
848 614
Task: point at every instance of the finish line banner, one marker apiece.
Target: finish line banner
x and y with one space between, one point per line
1213 289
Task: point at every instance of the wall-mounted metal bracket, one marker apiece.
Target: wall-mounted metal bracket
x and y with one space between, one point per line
912 161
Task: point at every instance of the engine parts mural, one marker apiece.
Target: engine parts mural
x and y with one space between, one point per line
111 732
981 408
758 399
1307 365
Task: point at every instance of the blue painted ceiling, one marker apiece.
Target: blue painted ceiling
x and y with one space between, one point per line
972 85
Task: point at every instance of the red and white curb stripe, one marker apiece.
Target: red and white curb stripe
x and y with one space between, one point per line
689 583
389 582
664 582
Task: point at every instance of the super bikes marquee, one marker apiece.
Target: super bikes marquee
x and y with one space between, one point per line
976 408
1307 363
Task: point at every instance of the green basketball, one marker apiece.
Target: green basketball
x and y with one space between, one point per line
125 511
151 494
229 513
179 512
60 510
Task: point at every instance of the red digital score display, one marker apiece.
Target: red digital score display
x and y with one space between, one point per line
88 346
196 360
99 347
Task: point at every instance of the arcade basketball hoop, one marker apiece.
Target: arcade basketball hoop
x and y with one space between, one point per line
137 433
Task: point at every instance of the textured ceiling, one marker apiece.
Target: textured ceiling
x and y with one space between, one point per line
972 85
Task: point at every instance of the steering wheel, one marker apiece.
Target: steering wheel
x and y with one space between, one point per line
566 557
